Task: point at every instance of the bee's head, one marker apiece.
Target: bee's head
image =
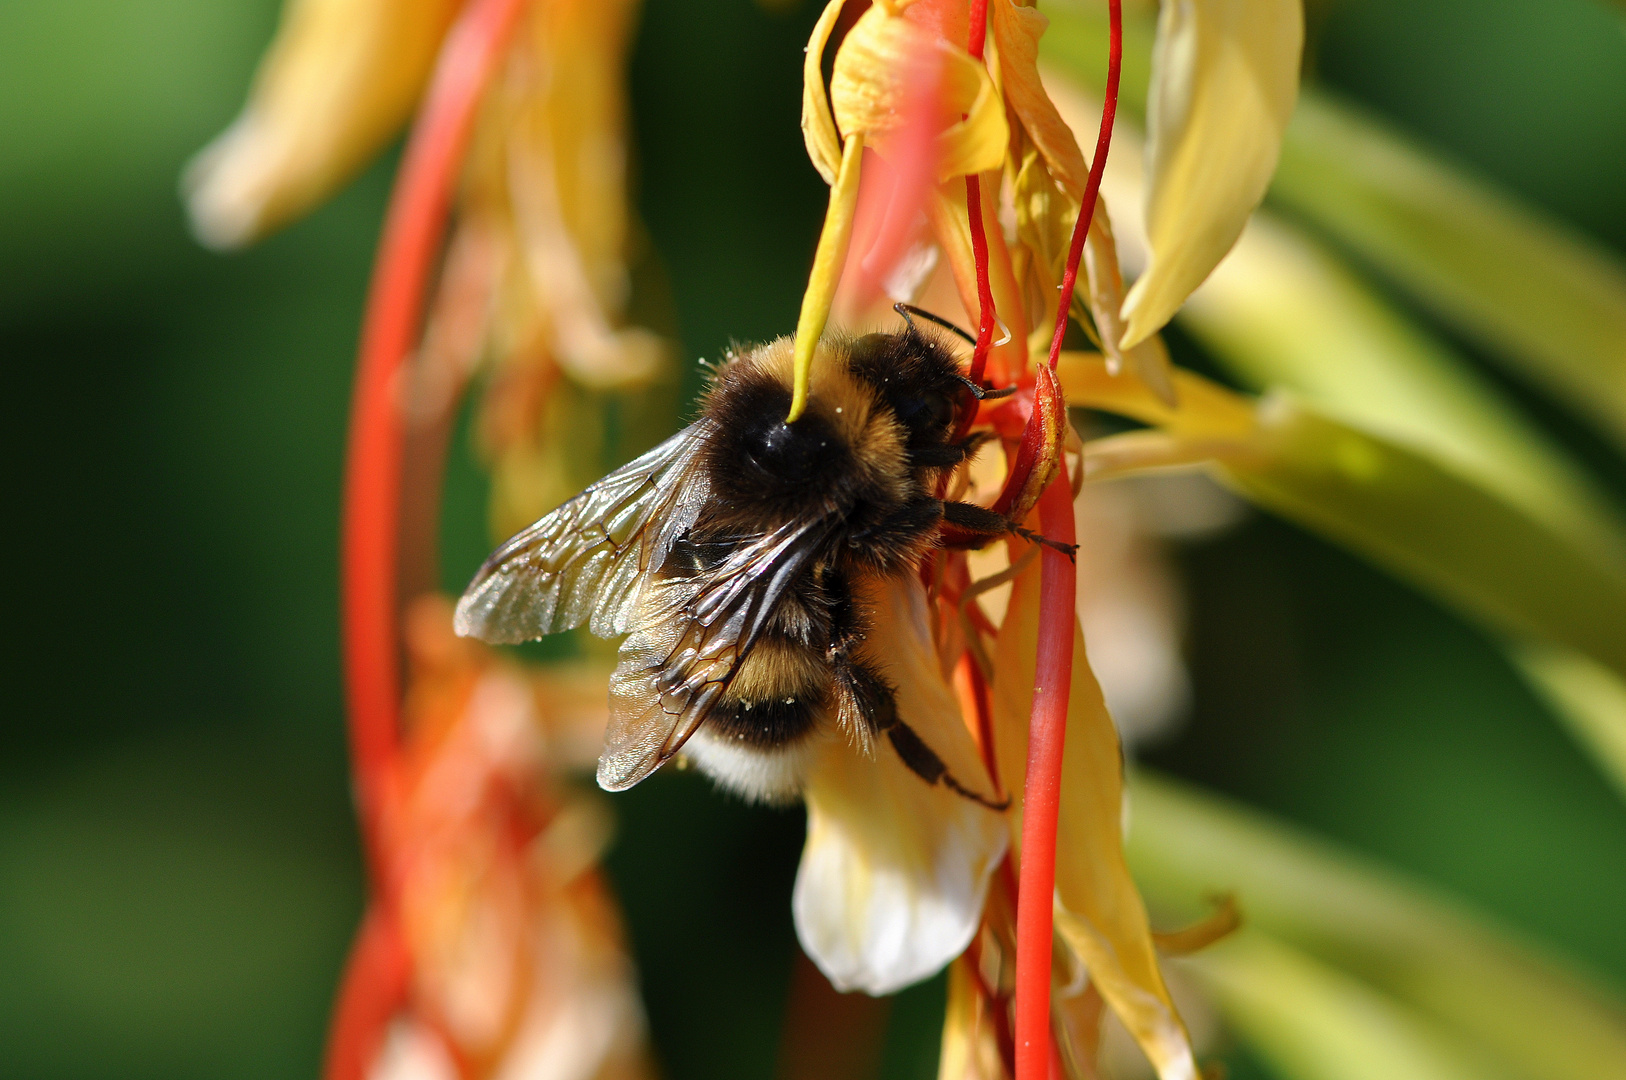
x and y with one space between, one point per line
917 377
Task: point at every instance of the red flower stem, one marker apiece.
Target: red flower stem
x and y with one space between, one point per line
1041 800
1092 187
413 230
987 320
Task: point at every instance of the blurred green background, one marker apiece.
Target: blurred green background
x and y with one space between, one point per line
178 865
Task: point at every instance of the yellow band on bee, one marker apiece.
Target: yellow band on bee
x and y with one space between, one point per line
827 264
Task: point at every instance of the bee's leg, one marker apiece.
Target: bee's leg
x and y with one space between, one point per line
901 529
872 706
923 761
981 521
946 455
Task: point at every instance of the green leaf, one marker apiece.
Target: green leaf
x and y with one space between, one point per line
1518 572
1586 695
1534 293
1310 1021
1283 311
1342 922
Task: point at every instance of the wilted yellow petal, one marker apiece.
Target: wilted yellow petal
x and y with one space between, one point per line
1482 983
1099 911
1224 78
1017 31
340 80
871 84
893 877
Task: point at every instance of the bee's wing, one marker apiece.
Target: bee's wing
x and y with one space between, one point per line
586 561
692 635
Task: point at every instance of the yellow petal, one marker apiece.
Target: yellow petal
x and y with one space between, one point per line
1224 80
870 85
818 129
1099 911
893 877
1017 31
340 80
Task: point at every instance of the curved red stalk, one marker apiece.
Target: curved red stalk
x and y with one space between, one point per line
1052 683
413 230
985 289
377 976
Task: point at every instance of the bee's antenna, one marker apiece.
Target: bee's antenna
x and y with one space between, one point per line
907 310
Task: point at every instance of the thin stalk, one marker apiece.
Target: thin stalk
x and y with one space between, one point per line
1098 168
987 320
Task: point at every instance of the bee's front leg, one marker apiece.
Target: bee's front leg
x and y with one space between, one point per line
982 523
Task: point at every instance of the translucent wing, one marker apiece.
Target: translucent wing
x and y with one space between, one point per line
587 561
692 633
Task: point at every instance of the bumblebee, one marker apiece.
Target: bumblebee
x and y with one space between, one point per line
735 555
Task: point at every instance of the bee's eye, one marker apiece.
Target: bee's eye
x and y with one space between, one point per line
926 414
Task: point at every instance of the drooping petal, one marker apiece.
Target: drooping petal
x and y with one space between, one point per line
871 86
1224 80
1099 914
1017 31
893 877
340 79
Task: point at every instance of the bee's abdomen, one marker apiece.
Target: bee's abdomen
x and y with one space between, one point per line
776 698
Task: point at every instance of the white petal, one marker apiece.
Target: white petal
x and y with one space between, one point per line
1224 80
895 870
